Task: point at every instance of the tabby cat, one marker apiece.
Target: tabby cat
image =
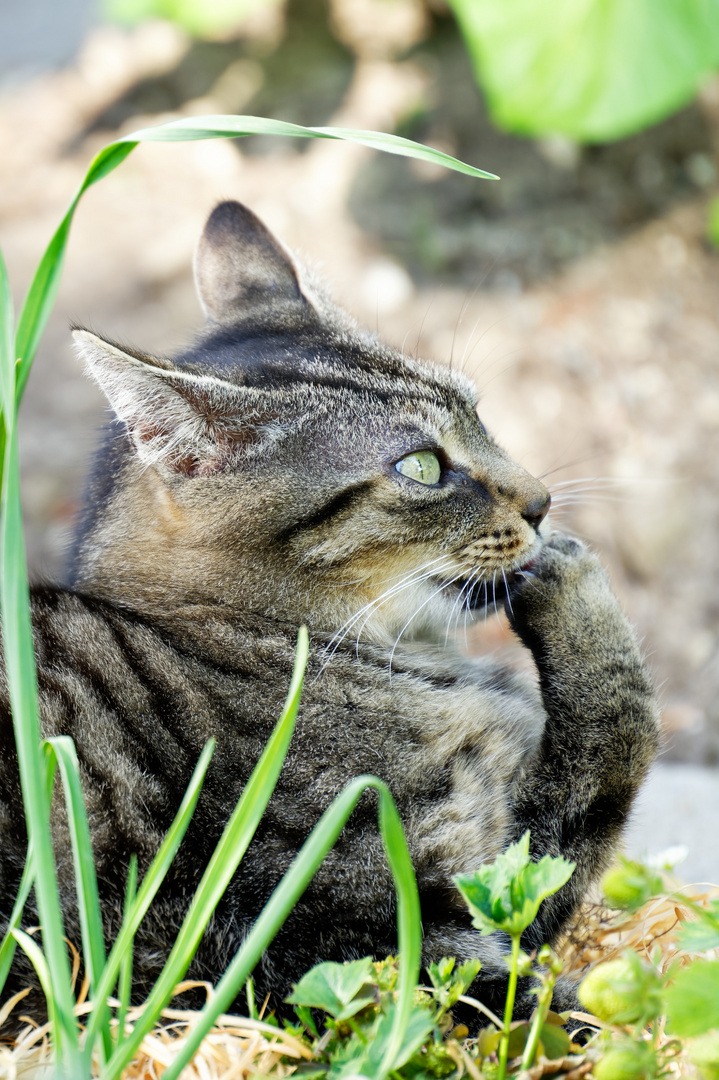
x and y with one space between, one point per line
289 469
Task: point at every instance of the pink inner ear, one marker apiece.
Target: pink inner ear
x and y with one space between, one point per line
221 442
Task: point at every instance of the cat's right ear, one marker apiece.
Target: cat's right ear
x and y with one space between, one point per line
177 421
240 266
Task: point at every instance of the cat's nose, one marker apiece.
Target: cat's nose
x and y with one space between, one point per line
537 508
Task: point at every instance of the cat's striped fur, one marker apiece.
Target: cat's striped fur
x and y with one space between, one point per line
251 486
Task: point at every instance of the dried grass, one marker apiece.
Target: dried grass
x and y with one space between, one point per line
236 1047
601 934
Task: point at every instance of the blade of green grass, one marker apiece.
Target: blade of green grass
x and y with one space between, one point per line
7 352
88 899
20 665
43 289
125 985
151 882
288 892
37 957
234 127
7 948
225 859
7 340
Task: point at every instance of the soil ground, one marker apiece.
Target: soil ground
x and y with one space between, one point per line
579 291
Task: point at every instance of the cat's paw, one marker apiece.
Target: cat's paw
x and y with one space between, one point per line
559 590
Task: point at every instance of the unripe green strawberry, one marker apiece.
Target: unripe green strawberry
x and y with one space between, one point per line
627 1061
704 1052
622 991
628 885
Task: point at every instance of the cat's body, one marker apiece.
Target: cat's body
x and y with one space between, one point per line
287 470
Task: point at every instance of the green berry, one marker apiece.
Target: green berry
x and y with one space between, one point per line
704 1052
625 1062
629 885
622 991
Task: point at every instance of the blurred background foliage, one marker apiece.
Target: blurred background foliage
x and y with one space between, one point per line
201 18
590 70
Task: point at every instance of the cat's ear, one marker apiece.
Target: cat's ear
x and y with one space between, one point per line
240 265
180 422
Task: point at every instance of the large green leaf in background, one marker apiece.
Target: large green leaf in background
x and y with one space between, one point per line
592 70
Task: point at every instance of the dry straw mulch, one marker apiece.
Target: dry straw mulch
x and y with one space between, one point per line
236 1047
239 1048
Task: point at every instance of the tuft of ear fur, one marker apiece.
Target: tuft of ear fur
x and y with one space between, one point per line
239 265
189 424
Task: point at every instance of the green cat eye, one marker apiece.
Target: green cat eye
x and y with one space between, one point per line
424 467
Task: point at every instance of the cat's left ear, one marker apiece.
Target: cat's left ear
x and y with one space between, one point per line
240 266
180 422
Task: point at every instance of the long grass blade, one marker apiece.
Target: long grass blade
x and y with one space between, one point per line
322 838
43 289
7 948
151 882
225 859
42 970
7 340
88 899
234 127
7 352
20 665
125 985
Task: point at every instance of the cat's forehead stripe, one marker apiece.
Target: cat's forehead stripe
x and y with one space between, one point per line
282 363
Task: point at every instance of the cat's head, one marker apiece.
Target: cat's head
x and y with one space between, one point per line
291 465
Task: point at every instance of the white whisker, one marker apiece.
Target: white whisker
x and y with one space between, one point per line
413 616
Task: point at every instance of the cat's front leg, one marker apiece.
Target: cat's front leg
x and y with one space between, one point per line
601 731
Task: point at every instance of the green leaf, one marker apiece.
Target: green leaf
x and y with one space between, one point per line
704 933
698 936
555 1041
449 983
506 894
588 70
339 989
692 1001
421 1022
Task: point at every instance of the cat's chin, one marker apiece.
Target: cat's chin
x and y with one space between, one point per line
492 593
488 595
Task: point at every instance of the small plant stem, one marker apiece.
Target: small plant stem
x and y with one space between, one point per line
544 1000
508 1008
352 1023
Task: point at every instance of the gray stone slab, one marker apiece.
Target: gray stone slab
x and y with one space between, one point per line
679 806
